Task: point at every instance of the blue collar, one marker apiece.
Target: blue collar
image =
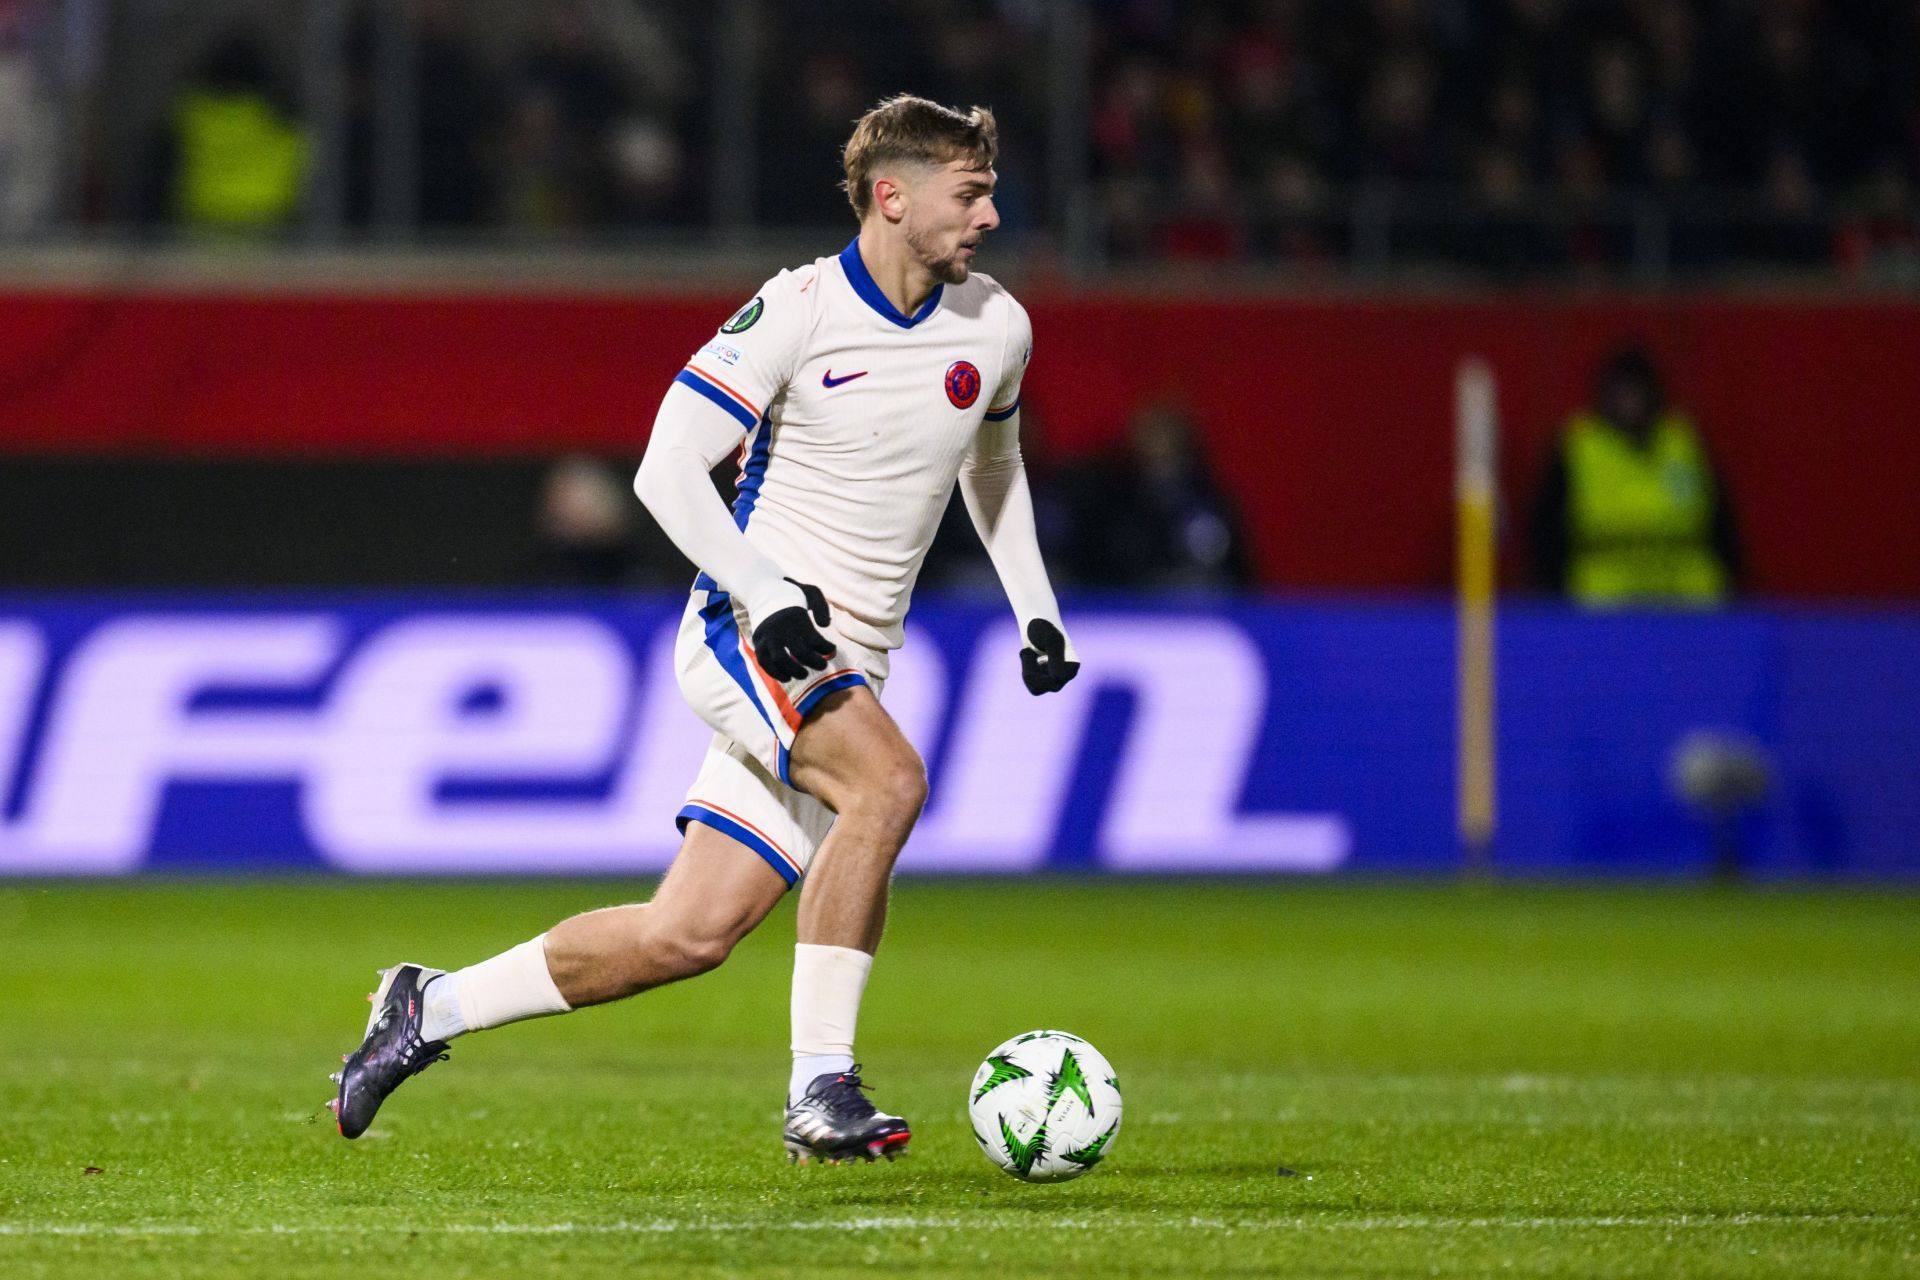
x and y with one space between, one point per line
862 281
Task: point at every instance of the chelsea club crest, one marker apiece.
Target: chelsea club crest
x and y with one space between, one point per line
963 384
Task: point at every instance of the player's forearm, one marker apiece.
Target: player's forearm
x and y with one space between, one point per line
1001 505
672 483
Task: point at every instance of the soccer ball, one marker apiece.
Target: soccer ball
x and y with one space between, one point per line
1045 1106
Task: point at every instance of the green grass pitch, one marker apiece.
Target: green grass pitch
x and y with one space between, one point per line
1463 1081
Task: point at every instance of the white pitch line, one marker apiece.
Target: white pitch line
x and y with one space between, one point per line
1100 1223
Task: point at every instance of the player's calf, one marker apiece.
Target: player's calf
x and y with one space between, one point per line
622 951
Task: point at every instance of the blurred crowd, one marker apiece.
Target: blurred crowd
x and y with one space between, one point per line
583 117
1511 133
1508 135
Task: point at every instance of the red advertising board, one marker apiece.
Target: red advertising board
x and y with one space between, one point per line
1330 419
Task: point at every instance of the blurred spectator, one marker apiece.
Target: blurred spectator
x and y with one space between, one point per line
1881 240
1150 514
456 119
807 128
546 179
555 160
1204 223
648 170
458 110
1398 133
584 528
1501 234
590 138
1793 226
589 530
28 125
1617 113
1295 220
234 155
1631 509
1596 232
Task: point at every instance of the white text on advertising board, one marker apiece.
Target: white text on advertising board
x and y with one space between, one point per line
385 725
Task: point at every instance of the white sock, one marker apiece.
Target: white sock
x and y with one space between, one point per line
827 985
511 987
443 1020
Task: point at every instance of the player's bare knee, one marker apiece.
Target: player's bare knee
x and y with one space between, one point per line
908 789
895 789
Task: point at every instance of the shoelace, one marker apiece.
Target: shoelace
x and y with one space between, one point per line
407 1051
845 1096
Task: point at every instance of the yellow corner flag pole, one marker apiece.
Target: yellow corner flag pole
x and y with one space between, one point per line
1475 482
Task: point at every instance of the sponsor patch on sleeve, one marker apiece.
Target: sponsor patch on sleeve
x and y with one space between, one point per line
722 352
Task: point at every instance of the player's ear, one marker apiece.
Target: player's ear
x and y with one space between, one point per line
890 198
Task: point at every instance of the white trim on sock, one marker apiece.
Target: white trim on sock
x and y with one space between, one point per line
512 986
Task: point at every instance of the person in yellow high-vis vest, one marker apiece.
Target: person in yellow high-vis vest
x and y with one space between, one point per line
236 157
1631 510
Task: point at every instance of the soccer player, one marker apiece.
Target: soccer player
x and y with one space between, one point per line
857 390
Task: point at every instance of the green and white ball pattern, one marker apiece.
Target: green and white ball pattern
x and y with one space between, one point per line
1045 1106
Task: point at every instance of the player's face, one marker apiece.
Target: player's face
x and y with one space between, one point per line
949 212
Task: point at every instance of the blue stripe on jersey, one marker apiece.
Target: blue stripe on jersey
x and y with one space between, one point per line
1001 415
751 477
687 378
753 474
722 823
862 281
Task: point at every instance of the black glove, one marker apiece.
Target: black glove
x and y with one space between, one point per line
1044 666
786 643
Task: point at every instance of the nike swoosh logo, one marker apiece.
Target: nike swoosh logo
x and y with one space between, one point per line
830 381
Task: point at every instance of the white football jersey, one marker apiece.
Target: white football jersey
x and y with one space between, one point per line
858 419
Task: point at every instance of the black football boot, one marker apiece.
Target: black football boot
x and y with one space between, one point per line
833 1121
393 1050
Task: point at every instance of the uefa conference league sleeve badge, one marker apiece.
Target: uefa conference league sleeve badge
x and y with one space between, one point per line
745 318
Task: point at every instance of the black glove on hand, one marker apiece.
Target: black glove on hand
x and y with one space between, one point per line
1044 666
786 643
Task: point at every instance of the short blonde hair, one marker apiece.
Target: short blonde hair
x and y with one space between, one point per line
915 131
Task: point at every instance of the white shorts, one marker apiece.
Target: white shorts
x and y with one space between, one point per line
743 788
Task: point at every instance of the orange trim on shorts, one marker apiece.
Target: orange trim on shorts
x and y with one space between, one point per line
781 702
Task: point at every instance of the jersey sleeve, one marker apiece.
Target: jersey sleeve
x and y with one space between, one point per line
754 355
1017 351
993 483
